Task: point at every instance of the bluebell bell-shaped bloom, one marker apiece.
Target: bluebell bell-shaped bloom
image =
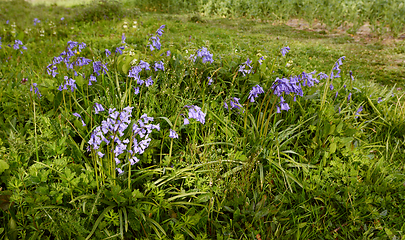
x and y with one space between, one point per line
136 90
209 81
0 42
160 31
144 65
285 50
205 55
92 79
348 98
123 38
358 111
261 59
36 90
149 81
254 93
379 100
173 134
336 68
159 65
107 52
36 20
195 112
98 66
98 108
246 68
308 79
78 115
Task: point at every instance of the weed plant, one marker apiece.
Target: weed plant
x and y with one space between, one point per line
125 133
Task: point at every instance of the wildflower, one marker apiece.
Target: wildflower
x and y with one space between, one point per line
308 79
186 121
78 115
234 102
119 49
62 18
344 86
0 42
98 108
168 53
196 113
160 31
285 50
351 75
82 61
261 60
98 66
358 111
123 38
24 80
36 20
17 44
336 68
149 82
144 65
36 91
159 65
173 134
331 87
348 98
107 52
136 90
210 81
336 94
254 93
92 79
323 75
119 170
242 68
379 100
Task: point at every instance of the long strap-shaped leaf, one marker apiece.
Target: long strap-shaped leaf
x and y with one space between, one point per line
98 221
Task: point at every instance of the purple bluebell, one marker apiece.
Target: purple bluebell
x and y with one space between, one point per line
308 79
379 100
107 52
98 66
358 111
0 42
78 115
160 31
186 121
118 50
351 75
98 108
336 68
123 38
336 94
144 65
92 79
82 61
323 75
234 102
254 93
168 53
246 68
17 44
119 170
205 55
136 90
210 81
261 59
36 91
173 134
331 86
159 65
348 98
285 50
196 113
36 20
148 82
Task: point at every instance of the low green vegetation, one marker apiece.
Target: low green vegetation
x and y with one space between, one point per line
125 123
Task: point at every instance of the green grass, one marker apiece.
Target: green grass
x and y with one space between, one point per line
322 170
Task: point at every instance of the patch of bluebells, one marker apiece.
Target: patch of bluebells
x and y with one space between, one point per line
209 81
159 66
98 66
246 68
66 57
98 108
92 79
36 20
69 82
155 40
111 132
204 54
17 44
194 112
135 71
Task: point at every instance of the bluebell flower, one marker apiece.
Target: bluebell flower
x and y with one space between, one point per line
17 44
107 52
234 102
261 59
123 38
173 134
144 65
196 113
92 79
254 93
136 90
348 98
62 18
210 81
351 75
82 61
379 100
36 91
98 108
36 20
119 170
149 81
308 79
168 53
160 31
186 121
323 75
78 115
285 50
358 111
98 66
119 49
159 65
331 86
242 68
336 68
0 42
336 94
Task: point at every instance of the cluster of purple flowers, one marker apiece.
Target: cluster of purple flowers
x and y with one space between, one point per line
68 82
98 66
204 54
111 130
209 81
17 44
156 40
254 93
246 68
118 50
336 68
65 57
159 65
234 102
36 20
358 112
194 112
135 71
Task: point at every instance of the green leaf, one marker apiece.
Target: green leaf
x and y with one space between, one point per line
3 166
332 147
